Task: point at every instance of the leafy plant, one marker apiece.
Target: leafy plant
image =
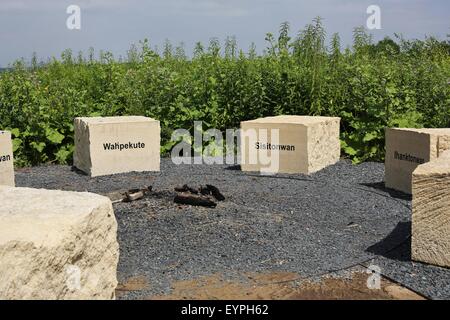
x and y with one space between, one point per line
371 86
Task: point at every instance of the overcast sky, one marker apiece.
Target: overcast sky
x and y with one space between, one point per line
28 26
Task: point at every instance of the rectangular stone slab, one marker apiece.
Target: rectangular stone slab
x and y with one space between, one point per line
57 245
110 145
406 149
305 144
431 212
6 159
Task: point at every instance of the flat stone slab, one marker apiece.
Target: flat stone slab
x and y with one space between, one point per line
57 245
110 145
290 144
408 148
6 160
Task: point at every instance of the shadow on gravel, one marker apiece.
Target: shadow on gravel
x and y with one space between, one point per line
234 168
273 176
393 193
397 245
78 171
258 175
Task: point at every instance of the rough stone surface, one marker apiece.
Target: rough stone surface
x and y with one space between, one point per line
6 160
57 245
408 148
443 144
431 212
113 145
299 144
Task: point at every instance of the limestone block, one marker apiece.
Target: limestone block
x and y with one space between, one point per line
431 212
111 145
408 148
6 159
290 144
57 245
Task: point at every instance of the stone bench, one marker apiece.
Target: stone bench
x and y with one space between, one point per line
408 148
6 160
111 145
290 144
57 245
431 212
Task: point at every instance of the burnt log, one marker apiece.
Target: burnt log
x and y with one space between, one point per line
186 188
216 192
194 200
133 196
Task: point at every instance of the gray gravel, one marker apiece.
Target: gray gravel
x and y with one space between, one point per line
431 281
310 225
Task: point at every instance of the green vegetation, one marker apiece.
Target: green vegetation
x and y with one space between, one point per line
370 86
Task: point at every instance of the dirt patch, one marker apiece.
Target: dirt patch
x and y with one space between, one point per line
138 283
286 286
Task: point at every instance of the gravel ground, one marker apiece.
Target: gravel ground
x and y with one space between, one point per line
309 225
431 281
